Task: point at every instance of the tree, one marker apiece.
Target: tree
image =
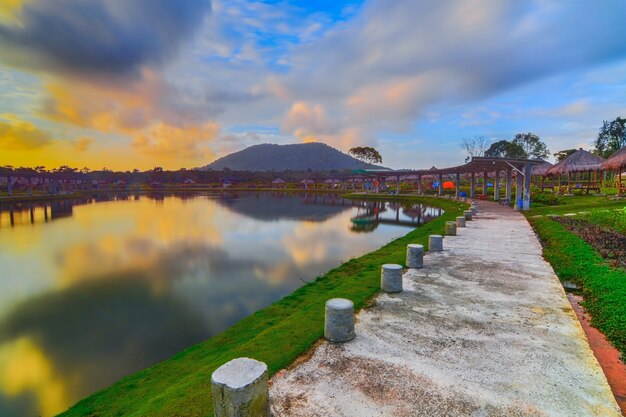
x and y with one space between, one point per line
366 154
505 149
561 155
611 137
531 144
475 146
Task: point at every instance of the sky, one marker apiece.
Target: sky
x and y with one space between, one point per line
127 84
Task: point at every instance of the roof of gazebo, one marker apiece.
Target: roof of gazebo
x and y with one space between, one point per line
541 169
617 161
579 161
477 164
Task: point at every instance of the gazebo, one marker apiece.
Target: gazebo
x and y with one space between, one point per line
539 173
583 170
279 183
306 182
617 163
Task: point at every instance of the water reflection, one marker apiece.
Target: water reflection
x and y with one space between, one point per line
97 288
370 215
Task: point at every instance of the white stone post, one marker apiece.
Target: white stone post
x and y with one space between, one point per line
414 255
460 221
468 215
391 278
450 228
339 320
435 243
240 389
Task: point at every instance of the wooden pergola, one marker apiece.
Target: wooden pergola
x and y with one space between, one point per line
582 169
503 169
617 164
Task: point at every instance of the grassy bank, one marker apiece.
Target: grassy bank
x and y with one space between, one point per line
574 204
276 335
604 287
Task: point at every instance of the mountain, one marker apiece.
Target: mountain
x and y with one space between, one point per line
297 157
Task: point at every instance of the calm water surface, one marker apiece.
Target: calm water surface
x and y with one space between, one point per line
95 289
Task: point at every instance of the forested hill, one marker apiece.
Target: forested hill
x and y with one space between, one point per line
304 156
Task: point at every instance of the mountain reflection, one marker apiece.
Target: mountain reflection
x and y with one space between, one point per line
95 289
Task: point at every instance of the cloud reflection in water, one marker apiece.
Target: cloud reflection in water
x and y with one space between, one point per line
121 285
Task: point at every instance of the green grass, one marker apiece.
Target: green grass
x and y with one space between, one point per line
604 287
574 204
276 335
614 219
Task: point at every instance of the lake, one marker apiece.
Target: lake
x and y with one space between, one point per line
94 289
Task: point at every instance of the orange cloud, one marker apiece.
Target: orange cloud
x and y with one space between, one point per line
17 134
83 143
162 125
310 123
175 142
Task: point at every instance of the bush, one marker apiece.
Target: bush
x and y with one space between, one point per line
546 199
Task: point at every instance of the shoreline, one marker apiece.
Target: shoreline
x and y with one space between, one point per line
355 194
295 323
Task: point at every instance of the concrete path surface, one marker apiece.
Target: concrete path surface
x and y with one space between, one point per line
485 329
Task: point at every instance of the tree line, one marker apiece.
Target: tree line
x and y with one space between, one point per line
611 138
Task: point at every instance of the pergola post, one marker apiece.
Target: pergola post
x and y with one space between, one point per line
440 184
419 184
457 185
527 174
485 183
518 191
398 185
473 186
9 185
509 179
496 187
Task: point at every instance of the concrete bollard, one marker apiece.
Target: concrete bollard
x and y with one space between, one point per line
240 389
435 243
339 320
460 221
450 228
468 215
391 278
414 256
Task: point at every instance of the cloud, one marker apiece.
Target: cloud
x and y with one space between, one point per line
311 123
380 76
109 37
17 134
176 142
83 143
124 106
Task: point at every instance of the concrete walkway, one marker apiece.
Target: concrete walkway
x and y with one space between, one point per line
485 329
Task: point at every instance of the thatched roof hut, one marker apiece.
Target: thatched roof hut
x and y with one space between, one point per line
616 162
541 169
579 161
